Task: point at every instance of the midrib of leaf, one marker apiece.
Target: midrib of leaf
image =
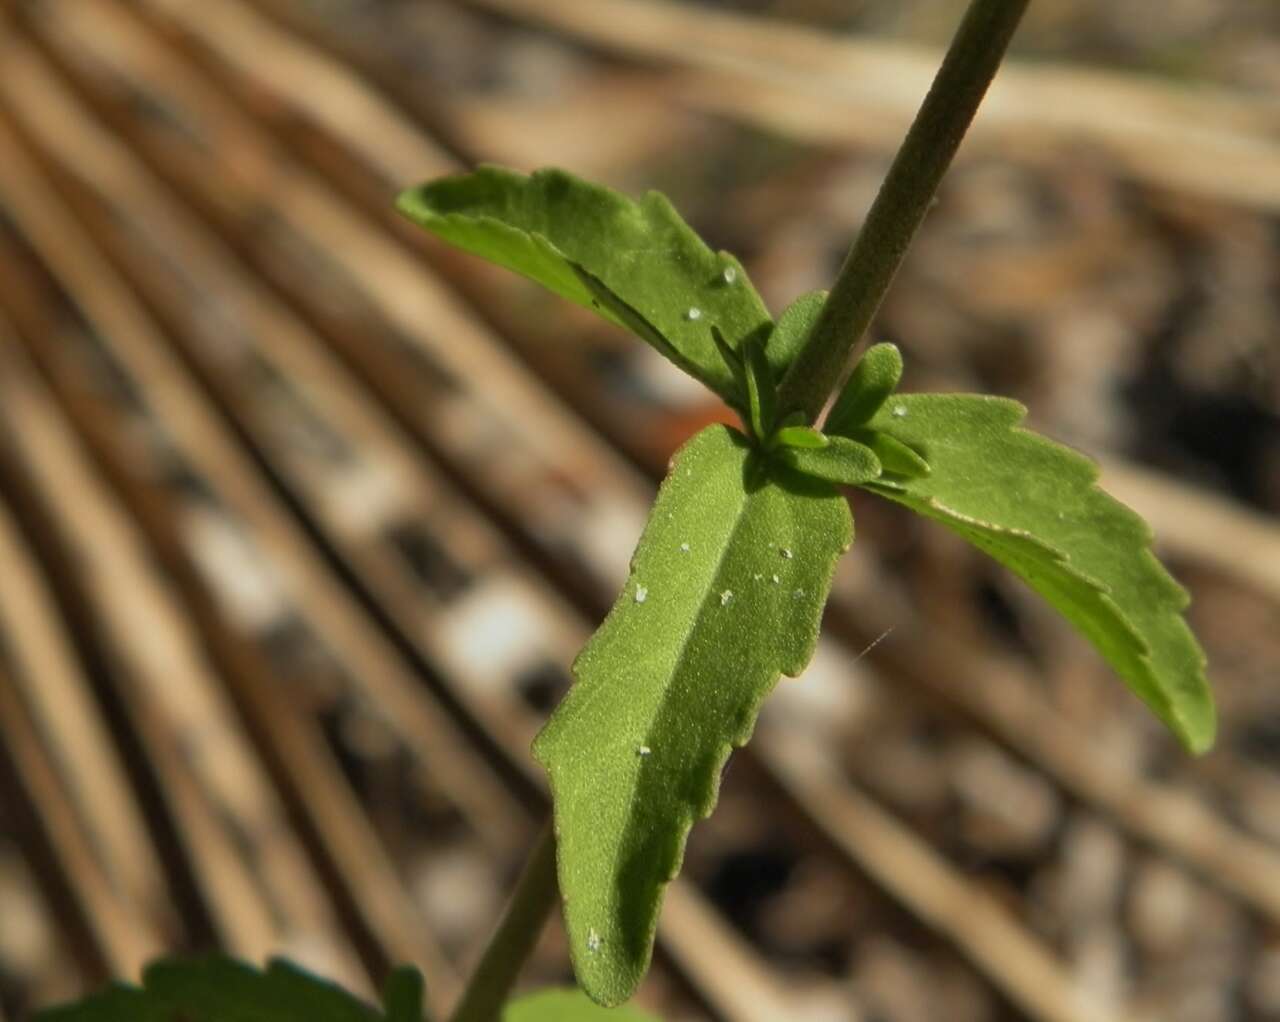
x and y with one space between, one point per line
711 593
712 590
621 313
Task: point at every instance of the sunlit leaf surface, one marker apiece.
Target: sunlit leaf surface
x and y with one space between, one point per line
725 594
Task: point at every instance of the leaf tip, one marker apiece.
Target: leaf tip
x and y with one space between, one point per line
409 202
1199 729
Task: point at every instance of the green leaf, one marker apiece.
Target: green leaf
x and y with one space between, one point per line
726 592
894 456
577 238
841 461
805 437
762 394
614 308
403 995
792 330
873 379
216 989
1033 505
754 380
567 1006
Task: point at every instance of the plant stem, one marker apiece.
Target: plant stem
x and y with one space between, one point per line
517 933
903 200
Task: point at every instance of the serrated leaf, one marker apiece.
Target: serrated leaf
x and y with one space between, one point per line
842 461
217 989
567 1006
1033 505
873 379
552 227
792 330
726 592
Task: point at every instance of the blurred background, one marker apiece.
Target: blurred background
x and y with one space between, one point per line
303 516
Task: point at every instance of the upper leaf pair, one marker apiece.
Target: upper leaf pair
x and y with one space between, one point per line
730 577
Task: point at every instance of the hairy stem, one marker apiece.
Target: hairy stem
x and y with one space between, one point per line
903 200
517 933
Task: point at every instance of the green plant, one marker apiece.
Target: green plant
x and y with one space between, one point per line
216 989
730 577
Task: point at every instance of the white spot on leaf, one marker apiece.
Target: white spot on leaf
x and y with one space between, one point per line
786 552
726 597
693 314
899 411
593 941
642 594
729 274
643 750
684 548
